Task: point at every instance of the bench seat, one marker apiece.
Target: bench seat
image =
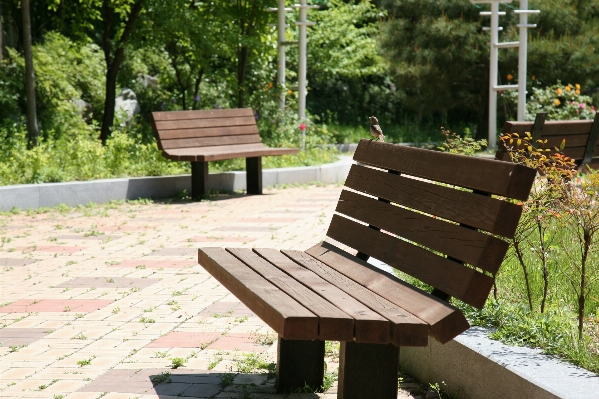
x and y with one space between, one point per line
309 295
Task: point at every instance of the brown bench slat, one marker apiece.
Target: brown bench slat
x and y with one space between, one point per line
479 211
210 141
502 178
557 128
334 324
195 114
169 127
366 326
281 312
216 153
550 128
206 132
406 328
471 246
446 275
193 124
444 320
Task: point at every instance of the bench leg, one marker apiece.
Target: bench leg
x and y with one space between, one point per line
367 371
199 179
299 363
253 168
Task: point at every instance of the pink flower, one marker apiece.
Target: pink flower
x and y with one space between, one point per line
592 108
582 105
302 126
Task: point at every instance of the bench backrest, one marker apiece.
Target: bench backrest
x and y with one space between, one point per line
442 234
206 128
580 135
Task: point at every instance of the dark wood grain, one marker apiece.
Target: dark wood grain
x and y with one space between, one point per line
486 175
207 132
172 127
211 141
334 324
198 114
406 330
218 153
281 312
550 128
446 275
444 320
479 211
470 246
200 124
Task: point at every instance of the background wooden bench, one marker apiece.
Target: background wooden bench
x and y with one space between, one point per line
213 135
580 135
326 293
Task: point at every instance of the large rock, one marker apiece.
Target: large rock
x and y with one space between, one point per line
126 105
148 80
85 109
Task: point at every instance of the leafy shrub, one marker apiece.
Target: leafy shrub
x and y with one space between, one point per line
561 102
455 144
65 73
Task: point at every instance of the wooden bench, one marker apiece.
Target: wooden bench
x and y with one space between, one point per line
580 135
213 135
445 235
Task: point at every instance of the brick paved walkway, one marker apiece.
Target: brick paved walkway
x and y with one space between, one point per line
105 301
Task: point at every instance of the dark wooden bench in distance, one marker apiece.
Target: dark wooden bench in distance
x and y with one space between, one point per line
213 135
580 135
325 293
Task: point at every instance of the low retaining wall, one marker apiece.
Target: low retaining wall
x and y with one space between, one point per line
33 196
474 366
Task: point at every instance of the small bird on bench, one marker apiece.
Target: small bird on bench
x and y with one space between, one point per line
375 129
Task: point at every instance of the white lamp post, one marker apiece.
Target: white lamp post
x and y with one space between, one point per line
493 67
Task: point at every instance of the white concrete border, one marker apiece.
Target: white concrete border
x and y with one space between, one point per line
474 366
33 196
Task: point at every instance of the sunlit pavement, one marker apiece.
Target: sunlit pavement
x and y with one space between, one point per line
109 301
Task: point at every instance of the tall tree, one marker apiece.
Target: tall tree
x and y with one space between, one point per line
118 25
32 127
1 33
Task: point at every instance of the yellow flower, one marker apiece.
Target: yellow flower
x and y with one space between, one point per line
289 92
577 86
533 77
269 85
559 91
568 88
577 91
509 77
556 102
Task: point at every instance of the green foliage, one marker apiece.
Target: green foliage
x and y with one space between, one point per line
439 54
65 73
177 362
348 79
455 144
80 157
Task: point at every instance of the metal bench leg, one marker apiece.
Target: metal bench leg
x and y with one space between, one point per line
299 363
253 168
199 179
367 371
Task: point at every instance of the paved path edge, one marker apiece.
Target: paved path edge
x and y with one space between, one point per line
475 366
33 196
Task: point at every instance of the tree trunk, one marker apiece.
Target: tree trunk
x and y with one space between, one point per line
32 128
109 102
113 63
243 57
1 34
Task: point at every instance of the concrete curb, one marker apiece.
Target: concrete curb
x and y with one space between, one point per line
33 196
474 366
